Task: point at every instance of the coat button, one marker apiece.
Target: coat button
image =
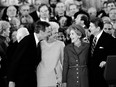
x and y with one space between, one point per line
76 68
77 77
77 73
76 60
77 81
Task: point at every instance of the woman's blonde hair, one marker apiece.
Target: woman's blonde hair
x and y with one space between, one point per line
4 25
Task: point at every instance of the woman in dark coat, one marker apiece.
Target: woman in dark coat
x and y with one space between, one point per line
75 73
4 34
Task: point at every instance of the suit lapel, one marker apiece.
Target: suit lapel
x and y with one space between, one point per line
100 40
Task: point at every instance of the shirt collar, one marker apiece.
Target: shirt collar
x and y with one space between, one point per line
37 13
98 36
36 39
47 20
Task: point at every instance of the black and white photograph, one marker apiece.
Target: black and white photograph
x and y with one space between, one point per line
57 43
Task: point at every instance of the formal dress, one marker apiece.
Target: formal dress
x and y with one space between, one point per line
50 67
22 69
75 72
104 47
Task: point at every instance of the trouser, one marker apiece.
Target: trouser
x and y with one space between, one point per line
3 82
112 85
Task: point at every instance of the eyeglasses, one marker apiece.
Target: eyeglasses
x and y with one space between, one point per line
107 28
26 10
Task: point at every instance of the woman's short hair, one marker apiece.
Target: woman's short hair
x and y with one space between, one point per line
77 28
4 25
55 26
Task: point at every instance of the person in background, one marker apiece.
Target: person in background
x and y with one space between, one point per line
35 14
10 12
45 12
24 15
106 19
108 28
82 18
103 11
75 72
72 10
52 4
112 15
61 16
110 5
15 24
92 11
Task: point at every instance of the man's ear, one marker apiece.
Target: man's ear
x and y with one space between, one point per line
82 22
98 28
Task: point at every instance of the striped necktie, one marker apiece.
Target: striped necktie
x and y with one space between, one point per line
93 45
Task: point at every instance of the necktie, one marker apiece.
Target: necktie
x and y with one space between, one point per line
93 45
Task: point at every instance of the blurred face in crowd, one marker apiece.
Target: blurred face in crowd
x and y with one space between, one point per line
53 1
7 32
108 28
44 12
37 4
78 19
110 6
60 8
93 29
112 14
15 23
14 33
105 8
78 3
73 9
74 35
61 36
102 1
11 11
24 10
106 19
92 12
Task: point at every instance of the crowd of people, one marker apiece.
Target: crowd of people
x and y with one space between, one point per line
57 44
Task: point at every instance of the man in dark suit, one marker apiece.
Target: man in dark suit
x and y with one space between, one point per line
101 45
22 70
35 14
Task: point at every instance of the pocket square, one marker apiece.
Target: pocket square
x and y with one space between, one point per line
101 47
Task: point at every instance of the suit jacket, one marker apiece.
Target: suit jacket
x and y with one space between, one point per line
22 70
35 16
103 48
3 49
75 72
